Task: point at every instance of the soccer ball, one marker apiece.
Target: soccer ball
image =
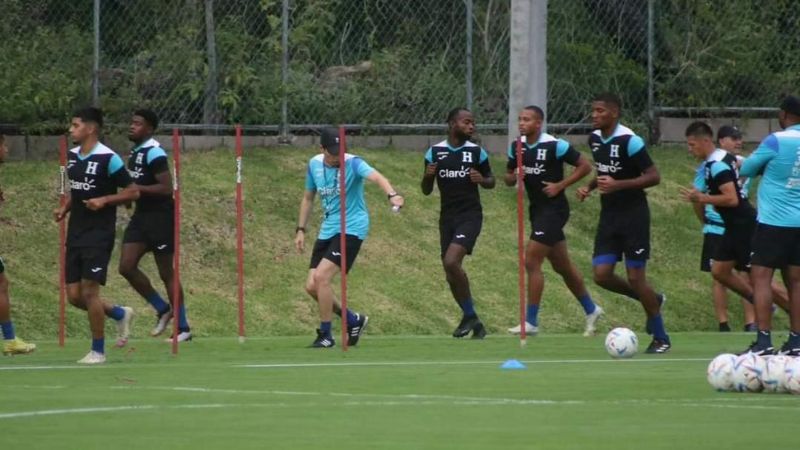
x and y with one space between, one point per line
791 376
720 372
747 372
622 343
773 377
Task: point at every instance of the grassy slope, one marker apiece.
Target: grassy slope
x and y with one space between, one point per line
397 279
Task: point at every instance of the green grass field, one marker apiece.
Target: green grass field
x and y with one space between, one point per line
389 393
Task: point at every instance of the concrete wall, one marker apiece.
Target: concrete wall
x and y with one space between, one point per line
753 130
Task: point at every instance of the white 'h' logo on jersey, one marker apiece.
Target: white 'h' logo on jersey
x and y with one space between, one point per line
91 168
467 157
541 154
615 151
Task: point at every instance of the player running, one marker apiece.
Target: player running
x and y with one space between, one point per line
322 177
12 345
459 166
151 228
624 171
543 161
95 173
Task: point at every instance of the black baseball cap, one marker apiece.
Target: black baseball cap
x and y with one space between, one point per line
329 139
791 104
728 131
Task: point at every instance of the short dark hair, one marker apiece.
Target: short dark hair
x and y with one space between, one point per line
699 129
791 105
149 116
451 116
90 114
535 109
609 98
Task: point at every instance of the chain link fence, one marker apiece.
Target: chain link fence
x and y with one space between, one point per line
288 65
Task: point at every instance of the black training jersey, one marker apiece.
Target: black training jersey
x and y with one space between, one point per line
719 170
458 193
98 174
145 162
544 161
622 156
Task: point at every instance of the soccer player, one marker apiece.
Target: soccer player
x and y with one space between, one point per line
543 161
322 177
458 166
151 228
12 345
776 243
624 171
95 173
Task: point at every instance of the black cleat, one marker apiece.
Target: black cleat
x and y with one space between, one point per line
322 341
724 327
759 350
479 331
787 349
467 324
750 328
658 346
354 330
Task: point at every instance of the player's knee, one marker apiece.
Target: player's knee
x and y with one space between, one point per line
311 288
4 283
86 298
320 279
452 266
126 269
601 277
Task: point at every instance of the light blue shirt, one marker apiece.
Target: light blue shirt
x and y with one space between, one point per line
325 181
777 159
713 221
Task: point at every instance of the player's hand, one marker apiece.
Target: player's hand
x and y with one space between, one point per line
95 204
475 176
430 170
59 214
397 201
583 192
607 184
552 189
690 195
300 241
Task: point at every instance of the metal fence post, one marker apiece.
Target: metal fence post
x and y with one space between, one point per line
210 101
650 80
469 5
96 56
284 133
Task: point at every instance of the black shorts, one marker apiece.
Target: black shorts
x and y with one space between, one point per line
623 233
735 245
87 263
710 242
776 247
547 226
462 229
154 229
330 249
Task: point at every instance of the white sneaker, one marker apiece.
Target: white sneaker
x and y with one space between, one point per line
161 323
530 330
183 336
93 357
591 321
124 327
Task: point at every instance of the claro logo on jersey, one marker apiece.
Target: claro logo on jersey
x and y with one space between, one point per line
614 167
447 173
537 169
85 185
136 173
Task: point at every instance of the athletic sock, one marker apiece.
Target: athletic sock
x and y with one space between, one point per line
532 315
116 313
183 324
657 324
794 339
99 345
587 303
468 308
157 302
764 338
352 318
325 328
724 327
8 330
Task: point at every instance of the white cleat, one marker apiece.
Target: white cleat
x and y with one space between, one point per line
183 336
124 327
591 321
530 330
93 357
161 323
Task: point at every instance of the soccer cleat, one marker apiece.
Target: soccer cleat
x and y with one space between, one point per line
750 328
591 321
183 336
124 327
530 330
465 326
662 298
354 330
759 350
478 331
93 357
787 349
658 346
17 347
323 341
162 321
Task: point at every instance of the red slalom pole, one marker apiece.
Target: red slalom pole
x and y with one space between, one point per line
521 241
342 234
240 231
176 261
62 237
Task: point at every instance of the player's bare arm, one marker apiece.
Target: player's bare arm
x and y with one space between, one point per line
305 211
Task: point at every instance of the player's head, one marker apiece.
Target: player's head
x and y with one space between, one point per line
790 111
460 123
606 109
700 139
86 122
531 119
729 138
143 124
329 141
3 149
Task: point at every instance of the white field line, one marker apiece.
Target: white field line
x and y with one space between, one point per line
463 363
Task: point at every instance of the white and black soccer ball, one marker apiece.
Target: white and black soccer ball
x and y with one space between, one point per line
791 376
774 376
747 371
622 343
720 372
